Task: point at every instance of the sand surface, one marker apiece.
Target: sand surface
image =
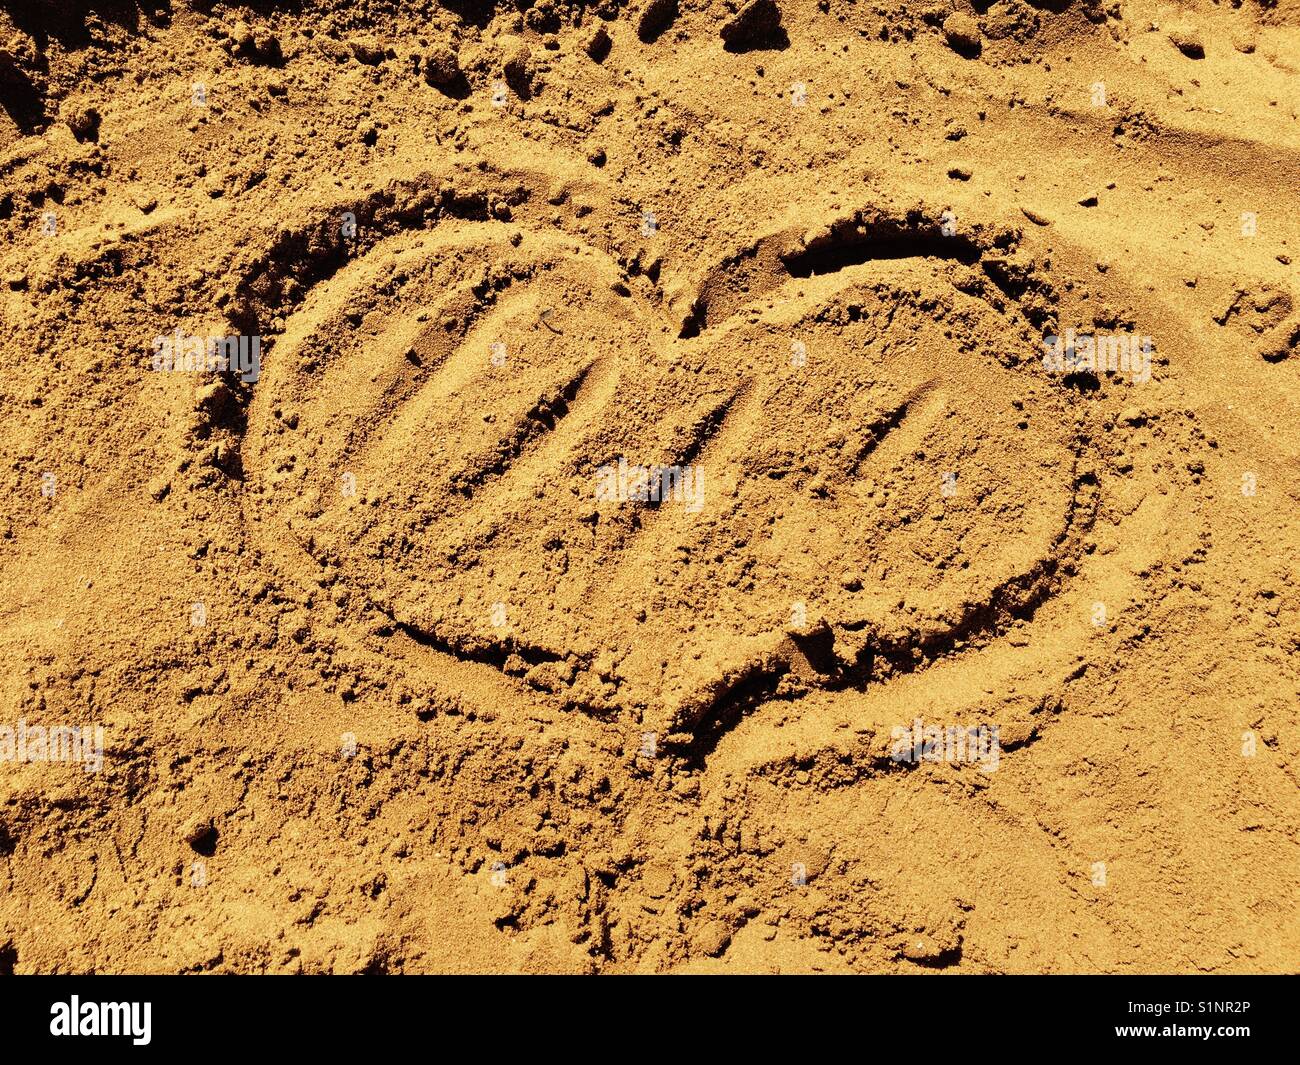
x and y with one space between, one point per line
653 425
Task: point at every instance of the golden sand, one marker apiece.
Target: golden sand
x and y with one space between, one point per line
684 486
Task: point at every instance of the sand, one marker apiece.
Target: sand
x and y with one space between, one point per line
671 487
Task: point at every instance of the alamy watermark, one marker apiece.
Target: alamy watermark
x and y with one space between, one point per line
1103 352
651 484
187 354
58 743
971 744
77 1018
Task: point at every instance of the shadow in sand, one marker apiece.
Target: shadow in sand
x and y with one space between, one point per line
20 98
